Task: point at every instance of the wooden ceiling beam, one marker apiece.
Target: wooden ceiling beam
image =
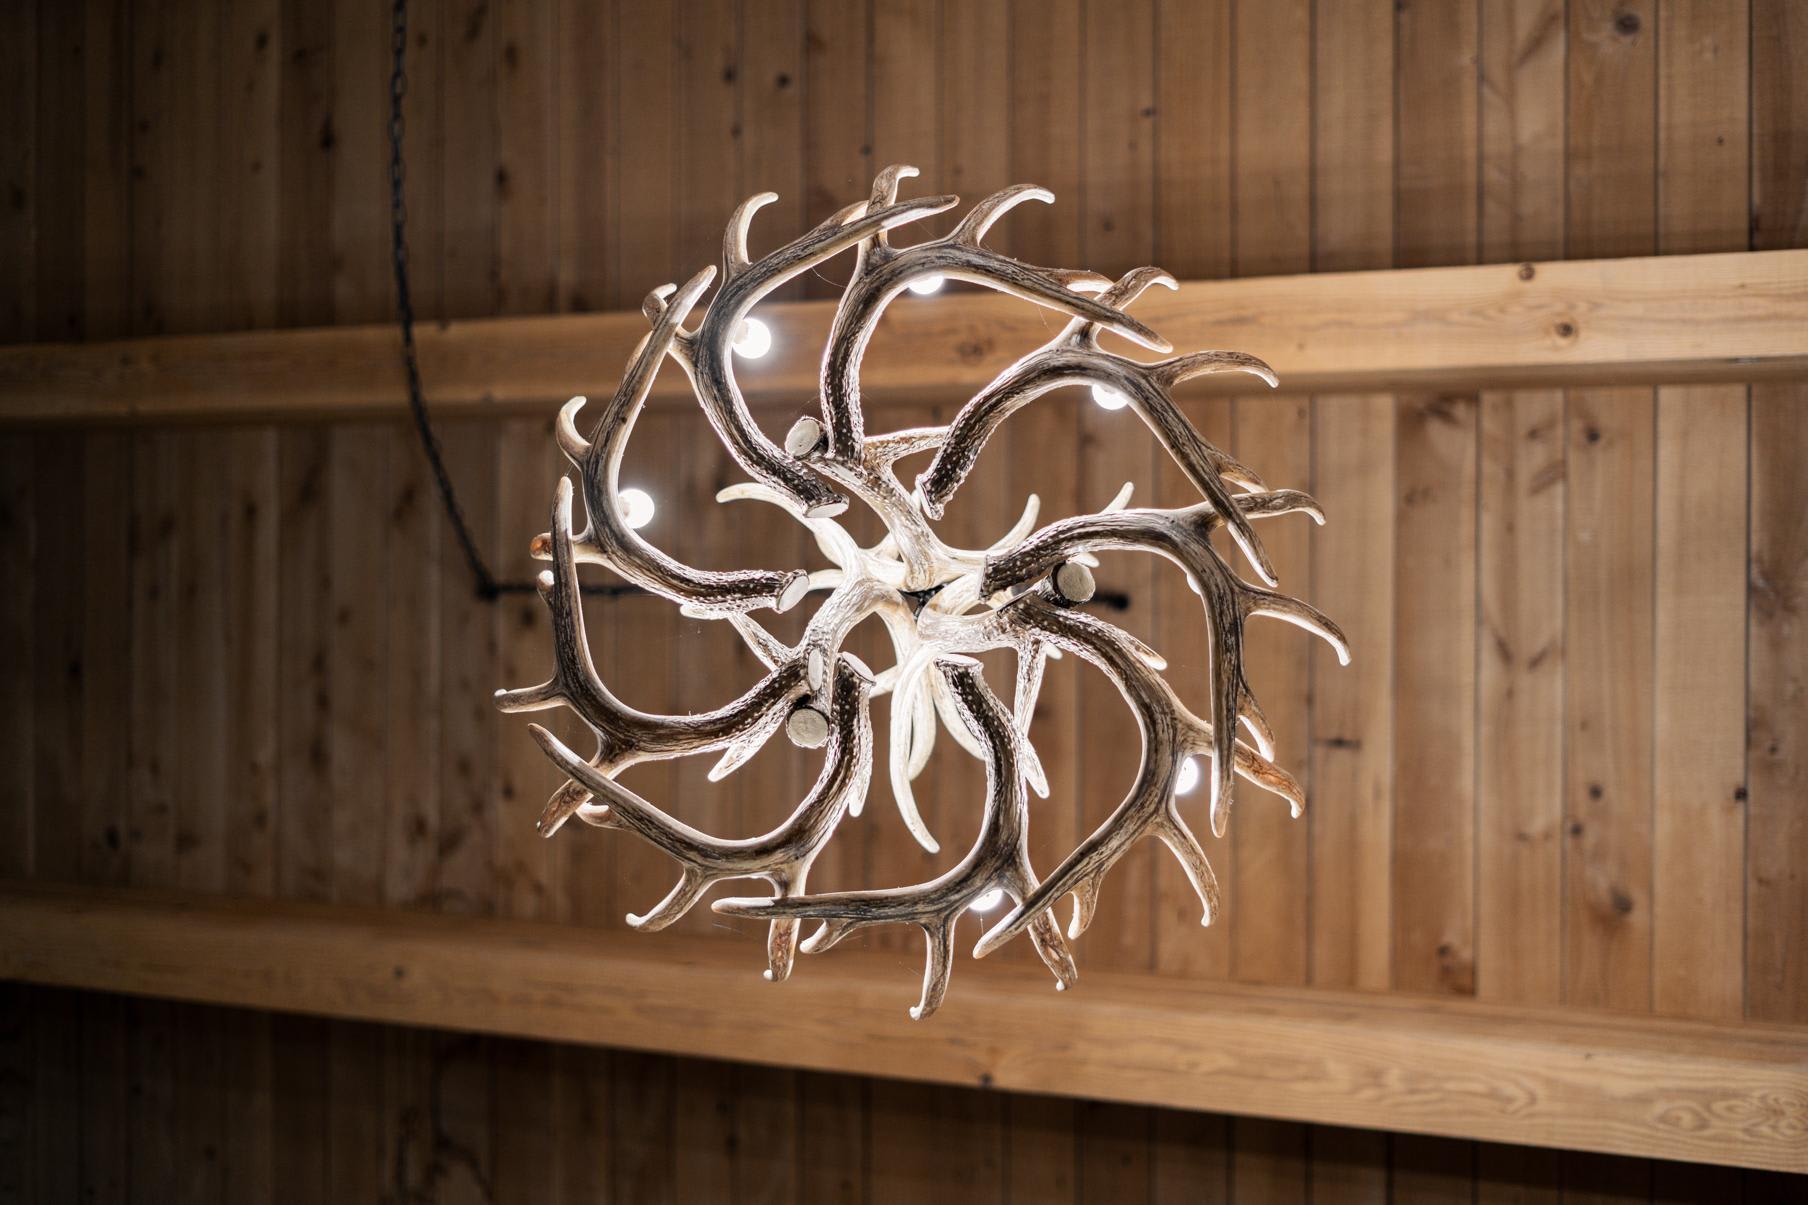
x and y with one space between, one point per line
1622 1084
1657 319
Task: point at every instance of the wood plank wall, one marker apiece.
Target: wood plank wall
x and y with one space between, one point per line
1565 767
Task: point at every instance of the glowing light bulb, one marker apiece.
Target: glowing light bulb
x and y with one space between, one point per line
988 901
753 340
1109 398
923 286
635 507
1187 781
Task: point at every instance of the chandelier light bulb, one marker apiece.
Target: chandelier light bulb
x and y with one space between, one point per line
925 286
636 507
989 900
1109 398
1187 781
753 339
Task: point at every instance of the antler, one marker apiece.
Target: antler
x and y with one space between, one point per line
1182 536
998 861
1074 357
939 604
782 857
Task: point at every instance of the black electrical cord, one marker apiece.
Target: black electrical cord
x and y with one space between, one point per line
489 587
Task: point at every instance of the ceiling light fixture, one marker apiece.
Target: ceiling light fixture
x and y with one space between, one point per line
941 605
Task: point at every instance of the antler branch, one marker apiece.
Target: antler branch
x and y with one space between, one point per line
999 860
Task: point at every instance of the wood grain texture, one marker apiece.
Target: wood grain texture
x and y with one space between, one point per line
1673 319
1732 1094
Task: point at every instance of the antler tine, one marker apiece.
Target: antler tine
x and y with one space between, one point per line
1147 386
735 259
1182 536
626 736
885 272
1170 733
608 540
782 857
997 861
706 355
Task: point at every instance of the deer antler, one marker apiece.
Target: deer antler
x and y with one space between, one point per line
783 856
998 861
939 604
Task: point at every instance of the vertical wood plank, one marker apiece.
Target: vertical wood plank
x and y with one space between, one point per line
1608 685
305 164
19 62
1776 928
1612 145
1352 766
108 511
1040 1150
1779 92
360 232
585 103
1434 695
1048 55
249 93
1190 1157
773 148
1352 441
1435 156
1193 143
1519 746
1435 219
411 772
705 153
1348 1165
471 171
833 1139
838 152
1268 1162
527 169
18 529
58 147
1352 111
1432 1169
1523 63
1698 889
644 221
467 657
1608 606
906 87
1115 1150
1520 663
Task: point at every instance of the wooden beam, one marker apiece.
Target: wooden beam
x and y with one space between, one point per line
1633 1085
1658 319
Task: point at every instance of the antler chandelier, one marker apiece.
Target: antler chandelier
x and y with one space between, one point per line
939 604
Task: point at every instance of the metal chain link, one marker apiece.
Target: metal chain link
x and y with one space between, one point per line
488 587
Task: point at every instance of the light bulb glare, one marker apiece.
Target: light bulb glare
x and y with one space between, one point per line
1109 398
635 507
924 286
1187 781
753 339
988 901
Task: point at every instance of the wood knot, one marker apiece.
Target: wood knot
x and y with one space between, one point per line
1565 330
1527 271
1626 24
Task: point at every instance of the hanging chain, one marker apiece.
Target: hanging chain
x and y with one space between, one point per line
488 587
